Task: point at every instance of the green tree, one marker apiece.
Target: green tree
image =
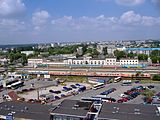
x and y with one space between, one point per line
119 54
156 77
155 53
155 59
24 59
131 55
105 51
142 57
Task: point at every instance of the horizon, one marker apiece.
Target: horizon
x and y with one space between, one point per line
34 22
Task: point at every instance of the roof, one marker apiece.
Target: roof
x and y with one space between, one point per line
97 59
13 95
25 110
72 108
128 112
142 49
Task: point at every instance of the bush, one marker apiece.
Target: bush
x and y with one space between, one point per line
156 77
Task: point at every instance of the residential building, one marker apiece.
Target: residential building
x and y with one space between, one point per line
27 52
111 49
146 51
34 62
80 50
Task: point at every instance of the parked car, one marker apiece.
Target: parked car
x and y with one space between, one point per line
78 85
57 98
73 86
63 95
150 86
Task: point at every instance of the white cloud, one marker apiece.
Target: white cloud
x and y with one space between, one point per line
11 7
40 18
12 25
131 18
101 22
130 2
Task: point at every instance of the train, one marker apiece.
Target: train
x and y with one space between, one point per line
83 73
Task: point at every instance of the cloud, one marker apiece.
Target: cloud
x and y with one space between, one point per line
40 18
101 22
11 7
130 2
12 25
131 18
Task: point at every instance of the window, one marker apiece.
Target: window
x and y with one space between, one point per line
99 62
102 62
95 62
91 62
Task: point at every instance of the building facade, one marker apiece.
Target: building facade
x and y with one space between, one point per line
102 62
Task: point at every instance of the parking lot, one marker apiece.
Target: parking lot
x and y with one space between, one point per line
45 91
116 94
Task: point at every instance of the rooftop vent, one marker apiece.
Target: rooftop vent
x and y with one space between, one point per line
136 110
22 110
26 108
113 112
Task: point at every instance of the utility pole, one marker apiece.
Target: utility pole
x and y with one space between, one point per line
37 93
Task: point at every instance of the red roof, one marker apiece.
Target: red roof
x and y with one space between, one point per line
13 96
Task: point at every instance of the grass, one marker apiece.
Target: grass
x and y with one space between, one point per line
148 81
79 79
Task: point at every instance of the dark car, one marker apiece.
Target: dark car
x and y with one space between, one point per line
57 98
73 86
51 91
78 85
63 95
25 90
150 86
137 81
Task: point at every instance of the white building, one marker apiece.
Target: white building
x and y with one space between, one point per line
34 62
27 52
105 62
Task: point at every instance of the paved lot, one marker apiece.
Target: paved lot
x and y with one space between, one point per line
45 90
116 94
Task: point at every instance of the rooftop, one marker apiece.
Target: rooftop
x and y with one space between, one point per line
128 112
25 110
72 108
143 49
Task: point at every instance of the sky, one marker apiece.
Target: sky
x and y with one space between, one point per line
49 21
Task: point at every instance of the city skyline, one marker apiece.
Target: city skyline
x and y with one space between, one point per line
27 21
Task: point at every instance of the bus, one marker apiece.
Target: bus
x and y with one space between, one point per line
92 99
126 82
17 85
10 82
117 79
98 86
